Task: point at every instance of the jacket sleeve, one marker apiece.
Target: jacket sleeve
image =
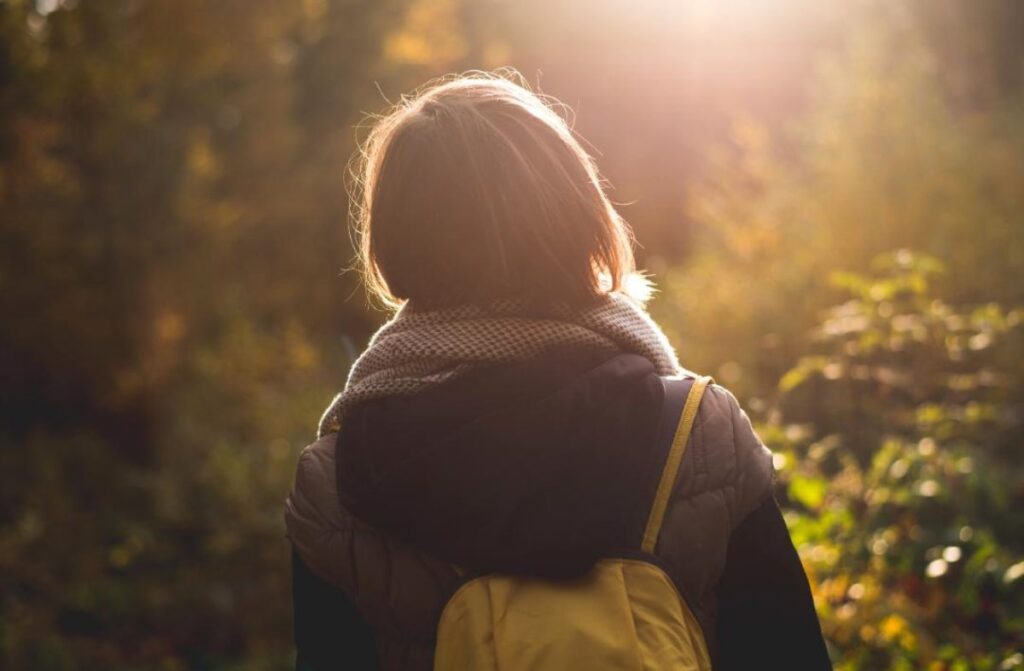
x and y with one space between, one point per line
765 608
329 632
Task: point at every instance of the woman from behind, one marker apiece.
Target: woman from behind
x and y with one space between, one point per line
512 416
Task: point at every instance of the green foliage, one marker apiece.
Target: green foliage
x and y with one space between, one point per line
180 562
901 495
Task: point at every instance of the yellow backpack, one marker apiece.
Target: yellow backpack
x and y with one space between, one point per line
624 614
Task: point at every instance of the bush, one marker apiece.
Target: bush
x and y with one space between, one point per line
895 442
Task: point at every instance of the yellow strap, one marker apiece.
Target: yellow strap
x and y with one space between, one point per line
675 458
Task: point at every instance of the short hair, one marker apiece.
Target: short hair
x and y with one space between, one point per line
474 189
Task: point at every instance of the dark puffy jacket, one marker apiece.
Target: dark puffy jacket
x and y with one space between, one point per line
537 468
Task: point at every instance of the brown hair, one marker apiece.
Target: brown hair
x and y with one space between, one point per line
473 189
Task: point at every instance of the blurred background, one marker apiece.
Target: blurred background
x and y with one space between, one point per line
830 196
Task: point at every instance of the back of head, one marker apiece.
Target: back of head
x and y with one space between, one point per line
475 189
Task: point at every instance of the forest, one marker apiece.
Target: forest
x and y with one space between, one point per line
829 198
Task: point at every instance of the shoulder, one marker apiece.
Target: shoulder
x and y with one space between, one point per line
394 587
726 474
335 544
316 462
727 455
313 515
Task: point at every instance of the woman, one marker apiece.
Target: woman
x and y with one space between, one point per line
509 417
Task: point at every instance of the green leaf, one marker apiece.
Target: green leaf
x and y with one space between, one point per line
809 491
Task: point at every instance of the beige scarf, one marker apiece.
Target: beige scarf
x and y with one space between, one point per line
417 349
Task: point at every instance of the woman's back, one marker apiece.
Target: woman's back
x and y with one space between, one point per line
542 469
512 417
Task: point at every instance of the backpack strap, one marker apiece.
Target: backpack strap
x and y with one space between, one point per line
672 462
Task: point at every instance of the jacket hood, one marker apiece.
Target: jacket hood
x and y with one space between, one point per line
536 467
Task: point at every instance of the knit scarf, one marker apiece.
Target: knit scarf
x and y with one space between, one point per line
421 348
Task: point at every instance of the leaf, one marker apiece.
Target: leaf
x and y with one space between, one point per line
797 375
808 491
